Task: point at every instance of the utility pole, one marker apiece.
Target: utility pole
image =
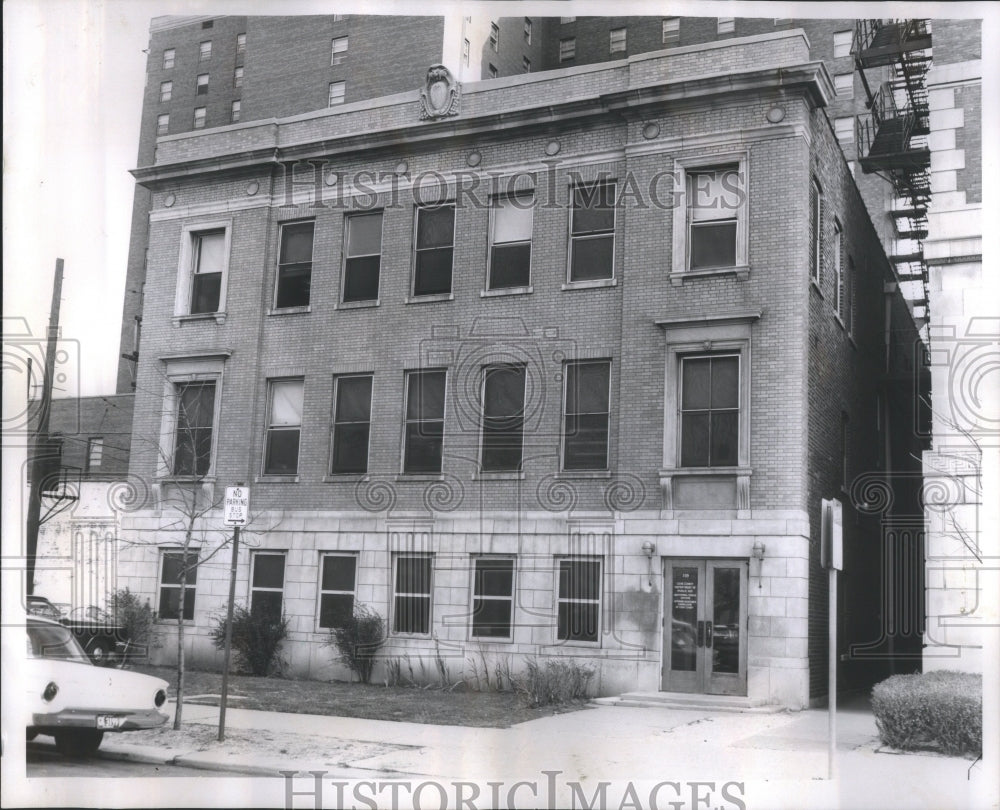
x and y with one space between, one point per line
40 435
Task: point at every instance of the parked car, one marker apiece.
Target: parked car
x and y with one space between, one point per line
40 606
96 630
76 702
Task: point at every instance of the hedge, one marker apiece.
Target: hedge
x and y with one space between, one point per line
936 710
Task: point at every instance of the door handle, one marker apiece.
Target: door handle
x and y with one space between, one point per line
701 634
708 634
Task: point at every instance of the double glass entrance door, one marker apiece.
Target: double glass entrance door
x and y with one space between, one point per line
705 626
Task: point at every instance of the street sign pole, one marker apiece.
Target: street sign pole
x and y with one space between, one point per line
832 558
237 505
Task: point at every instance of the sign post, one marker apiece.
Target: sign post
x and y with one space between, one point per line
832 558
236 512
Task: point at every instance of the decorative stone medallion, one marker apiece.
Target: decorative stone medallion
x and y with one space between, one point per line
440 95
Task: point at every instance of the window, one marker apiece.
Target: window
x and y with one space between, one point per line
202 85
193 433
713 201
527 30
510 251
411 603
208 23
710 411
338 50
844 84
166 91
168 58
241 43
567 49
503 418
592 235
267 583
339 17
838 268
618 40
337 92
424 421
208 265
338 574
294 265
579 600
284 426
842 43
162 124
725 25
495 37
352 414
816 231
587 415
845 479
95 449
234 111
362 256
238 77
466 46
564 20
492 598
492 70
434 249
671 30
172 563
526 64
848 314
844 129
199 117
205 51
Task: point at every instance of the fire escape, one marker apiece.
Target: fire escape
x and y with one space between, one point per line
891 135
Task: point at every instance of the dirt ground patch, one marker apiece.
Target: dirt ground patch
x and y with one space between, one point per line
457 707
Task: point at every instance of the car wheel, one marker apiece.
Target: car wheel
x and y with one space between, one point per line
78 742
101 653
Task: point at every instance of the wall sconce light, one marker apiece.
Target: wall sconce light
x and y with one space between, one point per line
649 548
758 554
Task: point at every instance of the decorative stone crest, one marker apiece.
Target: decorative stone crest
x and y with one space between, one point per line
441 94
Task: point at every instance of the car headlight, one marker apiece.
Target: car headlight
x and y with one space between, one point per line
159 698
50 691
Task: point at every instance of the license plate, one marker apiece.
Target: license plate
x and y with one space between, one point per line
106 721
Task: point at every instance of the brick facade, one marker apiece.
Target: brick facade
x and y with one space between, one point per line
620 121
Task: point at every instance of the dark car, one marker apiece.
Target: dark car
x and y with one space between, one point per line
96 630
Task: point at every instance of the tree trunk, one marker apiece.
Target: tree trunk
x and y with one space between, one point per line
178 712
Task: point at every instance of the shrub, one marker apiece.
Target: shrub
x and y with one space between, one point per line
558 681
942 710
257 635
358 640
135 618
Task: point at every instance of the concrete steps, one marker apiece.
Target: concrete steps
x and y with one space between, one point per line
683 700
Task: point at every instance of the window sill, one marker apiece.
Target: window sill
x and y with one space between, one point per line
565 475
742 273
705 471
420 476
502 291
276 479
590 284
815 286
218 317
186 479
427 299
484 640
359 304
498 475
341 478
291 310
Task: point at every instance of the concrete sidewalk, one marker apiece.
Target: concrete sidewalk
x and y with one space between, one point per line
779 758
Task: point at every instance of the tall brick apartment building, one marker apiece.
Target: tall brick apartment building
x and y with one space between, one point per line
558 364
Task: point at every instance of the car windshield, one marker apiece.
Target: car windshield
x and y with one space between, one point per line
53 641
39 607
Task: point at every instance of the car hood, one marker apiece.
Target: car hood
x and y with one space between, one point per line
82 686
